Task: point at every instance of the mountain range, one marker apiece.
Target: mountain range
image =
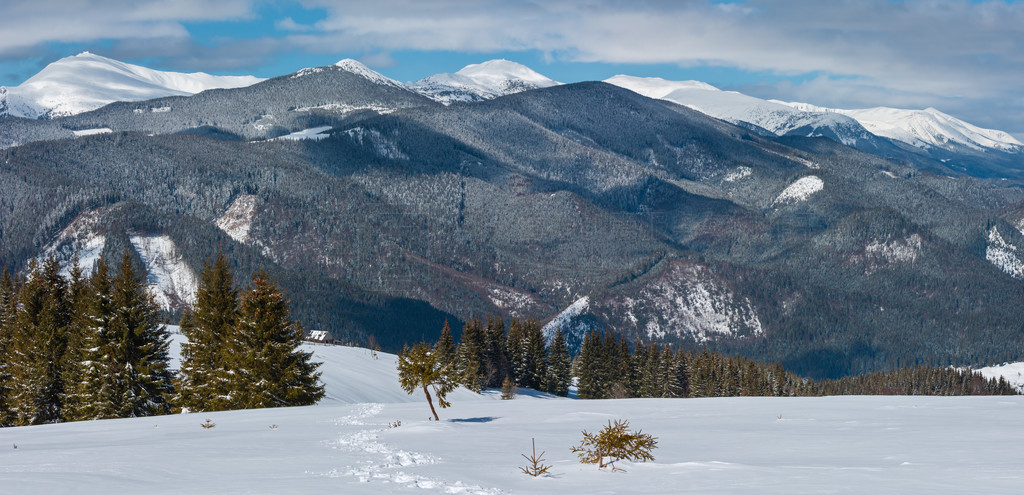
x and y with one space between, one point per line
495 191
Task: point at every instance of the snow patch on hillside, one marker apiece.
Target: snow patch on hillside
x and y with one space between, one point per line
739 173
1003 255
237 219
80 238
1011 372
800 190
517 303
564 319
878 254
688 302
314 133
170 280
92 132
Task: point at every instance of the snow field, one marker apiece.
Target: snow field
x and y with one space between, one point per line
346 444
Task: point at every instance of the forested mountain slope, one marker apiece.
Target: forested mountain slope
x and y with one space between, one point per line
644 216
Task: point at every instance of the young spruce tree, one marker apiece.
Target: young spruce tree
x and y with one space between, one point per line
203 381
268 369
141 383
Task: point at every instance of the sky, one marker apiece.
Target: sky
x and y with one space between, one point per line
963 57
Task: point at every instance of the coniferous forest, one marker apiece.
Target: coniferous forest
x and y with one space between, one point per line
609 367
78 348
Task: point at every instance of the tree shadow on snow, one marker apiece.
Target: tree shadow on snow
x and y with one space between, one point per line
484 419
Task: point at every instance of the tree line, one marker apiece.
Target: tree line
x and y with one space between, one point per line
79 347
608 366
489 353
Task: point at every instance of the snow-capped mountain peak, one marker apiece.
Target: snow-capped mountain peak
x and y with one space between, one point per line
358 68
495 73
656 87
88 81
481 81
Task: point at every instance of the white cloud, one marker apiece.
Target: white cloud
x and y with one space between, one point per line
28 23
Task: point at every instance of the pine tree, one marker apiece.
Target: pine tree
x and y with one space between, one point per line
268 369
418 368
203 381
559 367
142 382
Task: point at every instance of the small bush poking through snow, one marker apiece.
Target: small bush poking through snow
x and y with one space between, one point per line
208 424
536 466
615 442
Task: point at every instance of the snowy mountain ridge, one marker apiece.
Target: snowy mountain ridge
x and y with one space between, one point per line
483 81
926 128
87 81
922 128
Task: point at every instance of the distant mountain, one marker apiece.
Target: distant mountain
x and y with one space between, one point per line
739 108
87 81
482 81
926 128
309 98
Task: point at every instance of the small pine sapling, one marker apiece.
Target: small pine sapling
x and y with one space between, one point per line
615 442
536 466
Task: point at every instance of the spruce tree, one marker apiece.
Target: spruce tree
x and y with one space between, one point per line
38 343
203 381
533 358
268 369
142 382
495 360
470 355
589 368
559 367
445 346
516 350
90 394
8 295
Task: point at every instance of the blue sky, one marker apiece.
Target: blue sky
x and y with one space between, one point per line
963 57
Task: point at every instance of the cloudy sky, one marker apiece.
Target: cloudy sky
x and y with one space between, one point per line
963 57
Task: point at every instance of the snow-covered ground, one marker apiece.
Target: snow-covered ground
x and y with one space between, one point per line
345 445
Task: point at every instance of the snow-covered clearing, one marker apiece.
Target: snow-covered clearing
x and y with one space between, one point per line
314 133
345 445
800 190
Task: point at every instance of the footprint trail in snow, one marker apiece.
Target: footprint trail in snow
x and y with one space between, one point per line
384 463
